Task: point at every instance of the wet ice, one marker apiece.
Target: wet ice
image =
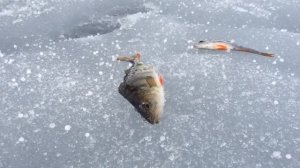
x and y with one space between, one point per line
60 104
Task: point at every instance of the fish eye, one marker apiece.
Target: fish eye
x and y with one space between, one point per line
146 106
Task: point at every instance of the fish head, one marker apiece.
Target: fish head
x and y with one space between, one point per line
152 105
203 45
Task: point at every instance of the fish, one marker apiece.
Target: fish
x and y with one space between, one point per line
228 46
143 87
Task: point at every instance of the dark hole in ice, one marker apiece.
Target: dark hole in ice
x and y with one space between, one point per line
91 29
123 11
105 26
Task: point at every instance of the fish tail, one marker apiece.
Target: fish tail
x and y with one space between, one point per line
124 58
250 50
133 58
267 54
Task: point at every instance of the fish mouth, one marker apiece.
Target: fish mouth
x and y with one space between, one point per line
199 46
148 118
196 46
153 117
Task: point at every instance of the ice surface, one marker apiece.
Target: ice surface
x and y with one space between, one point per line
59 101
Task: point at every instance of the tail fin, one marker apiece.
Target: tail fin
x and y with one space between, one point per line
135 57
124 58
267 54
250 50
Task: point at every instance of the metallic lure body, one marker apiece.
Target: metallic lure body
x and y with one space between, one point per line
227 46
143 88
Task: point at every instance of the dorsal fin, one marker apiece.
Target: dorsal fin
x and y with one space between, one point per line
138 56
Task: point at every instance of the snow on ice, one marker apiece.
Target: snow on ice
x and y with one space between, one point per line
58 70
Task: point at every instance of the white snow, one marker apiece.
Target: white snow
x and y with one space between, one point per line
52 125
89 93
162 138
28 71
87 134
288 156
105 116
68 127
20 115
276 155
148 138
23 79
31 112
95 52
10 61
172 157
21 139
165 40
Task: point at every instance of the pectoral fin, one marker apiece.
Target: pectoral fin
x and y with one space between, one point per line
161 79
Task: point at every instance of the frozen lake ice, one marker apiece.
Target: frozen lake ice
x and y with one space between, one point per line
60 106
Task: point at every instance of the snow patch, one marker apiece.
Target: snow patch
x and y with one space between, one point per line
68 128
21 139
162 138
20 115
87 135
89 93
276 155
28 71
288 156
52 125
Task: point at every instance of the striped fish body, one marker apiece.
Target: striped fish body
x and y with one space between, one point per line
143 88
